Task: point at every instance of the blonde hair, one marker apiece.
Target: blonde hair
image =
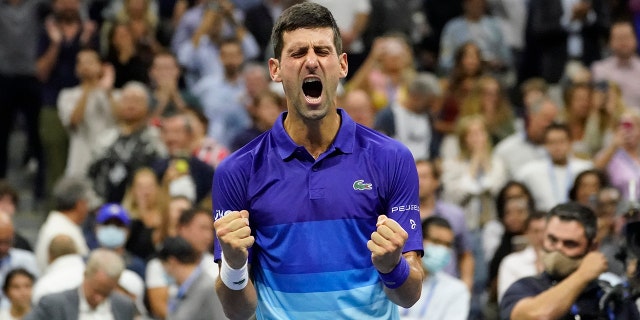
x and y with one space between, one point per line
462 129
472 104
129 201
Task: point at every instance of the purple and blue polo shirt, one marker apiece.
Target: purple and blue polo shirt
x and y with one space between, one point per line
312 219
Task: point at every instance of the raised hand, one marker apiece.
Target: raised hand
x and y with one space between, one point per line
386 244
235 237
593 264
53 30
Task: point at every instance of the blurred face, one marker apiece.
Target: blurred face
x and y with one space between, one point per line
97 288
122 37
427 182
145 187
535 233
199 233
588 187
19 290
268 111
7 205
255 81
539 121
358 105
471 60
567 237
176 207
6 237
231 57
395 56
175 135
490 96
439 235
558 145
476 137
515 215
136 8
515 191
474 8
310 70
88 66
623 42
133 105
608 200
580 104
66 11
630 127
164 68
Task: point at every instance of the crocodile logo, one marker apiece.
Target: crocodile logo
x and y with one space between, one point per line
360 185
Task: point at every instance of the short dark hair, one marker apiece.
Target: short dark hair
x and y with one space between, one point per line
434 221
6 190
557 126
573 211
534 215
178 248
12 274
306 15
188 215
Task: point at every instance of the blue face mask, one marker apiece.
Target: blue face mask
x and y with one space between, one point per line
111 236
436 257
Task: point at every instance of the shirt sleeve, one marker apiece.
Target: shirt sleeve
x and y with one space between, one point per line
516 292
403 204
67 101
155 276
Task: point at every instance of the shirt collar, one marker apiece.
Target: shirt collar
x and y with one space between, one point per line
343 142
102 308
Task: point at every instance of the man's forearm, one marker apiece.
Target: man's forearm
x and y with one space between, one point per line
408 293
466 264
552 303
237 304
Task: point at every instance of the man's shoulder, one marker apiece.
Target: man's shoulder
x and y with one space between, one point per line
513 141
62 298
532 168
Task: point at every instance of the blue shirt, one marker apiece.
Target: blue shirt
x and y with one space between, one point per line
312 219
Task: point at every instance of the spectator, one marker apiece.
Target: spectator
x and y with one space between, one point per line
259 20
196 287
86 111
141 17
609 236
204 147
462 262
518 149
359 106
112 232
224 105
550 179
12 258
443 296
113 168
72 207
145 201
94 298
607 107
58 48
195 227
525 263
64 271
17 287
484 30
201 56
128 61
566 288
182 172
9 203
562 31
586 187
578 108
489 99
620 158
409 119
264 112
385 72
20 27
475 177
167 97
624 64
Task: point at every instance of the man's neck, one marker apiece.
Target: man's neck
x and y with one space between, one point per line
315 135
129 127
560 162
184 271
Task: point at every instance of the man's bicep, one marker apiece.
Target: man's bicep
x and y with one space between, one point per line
514 299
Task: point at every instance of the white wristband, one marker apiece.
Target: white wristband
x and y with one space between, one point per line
234 279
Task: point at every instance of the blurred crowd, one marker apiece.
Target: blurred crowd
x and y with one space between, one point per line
509 107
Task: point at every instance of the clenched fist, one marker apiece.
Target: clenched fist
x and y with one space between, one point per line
386 244
235 237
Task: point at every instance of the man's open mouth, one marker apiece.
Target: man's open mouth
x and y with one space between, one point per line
312 88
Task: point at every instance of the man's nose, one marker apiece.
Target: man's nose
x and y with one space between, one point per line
312 61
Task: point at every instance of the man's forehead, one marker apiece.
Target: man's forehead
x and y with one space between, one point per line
565 229
299 37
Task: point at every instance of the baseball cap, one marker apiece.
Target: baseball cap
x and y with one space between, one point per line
112 211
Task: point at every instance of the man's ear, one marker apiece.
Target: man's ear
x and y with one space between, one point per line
344 65
274 70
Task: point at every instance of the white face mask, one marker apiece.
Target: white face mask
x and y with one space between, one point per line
436 257
111 236
559 265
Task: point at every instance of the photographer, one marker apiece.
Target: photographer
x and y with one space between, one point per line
567 289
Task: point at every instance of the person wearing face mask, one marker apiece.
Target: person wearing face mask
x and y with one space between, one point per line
443 296
112 232
568 287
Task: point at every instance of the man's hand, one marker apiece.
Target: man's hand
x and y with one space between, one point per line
235 237
53 30
386 244
593 264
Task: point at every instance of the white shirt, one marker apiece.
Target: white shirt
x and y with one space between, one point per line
5 314
413 130
515 152
62 274
98 118
101 312
514 267
58 223
550 184
443 297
